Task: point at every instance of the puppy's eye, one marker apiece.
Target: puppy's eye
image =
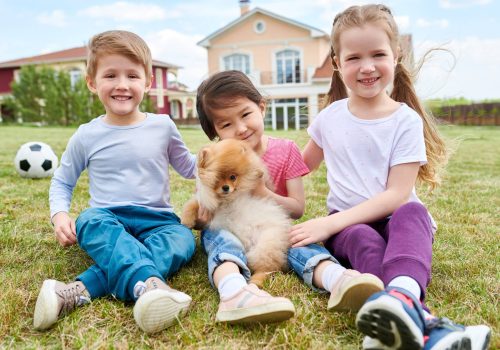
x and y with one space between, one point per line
232 177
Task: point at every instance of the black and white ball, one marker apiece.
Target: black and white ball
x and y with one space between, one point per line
35 160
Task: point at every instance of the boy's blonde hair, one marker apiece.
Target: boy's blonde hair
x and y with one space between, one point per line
119 42
403 89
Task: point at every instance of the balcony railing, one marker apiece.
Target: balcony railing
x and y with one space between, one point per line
272 77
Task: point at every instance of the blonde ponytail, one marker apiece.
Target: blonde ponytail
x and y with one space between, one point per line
436 150
337 89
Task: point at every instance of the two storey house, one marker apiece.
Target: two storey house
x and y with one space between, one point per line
288 61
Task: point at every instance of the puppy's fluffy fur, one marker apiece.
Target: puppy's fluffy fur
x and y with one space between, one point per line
228 171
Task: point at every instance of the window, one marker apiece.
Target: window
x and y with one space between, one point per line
174 110
288 67
75 75
237 61
259 27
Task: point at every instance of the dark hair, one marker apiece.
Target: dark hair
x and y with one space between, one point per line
219 91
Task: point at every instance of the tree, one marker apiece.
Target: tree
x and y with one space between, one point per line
28 95
42 94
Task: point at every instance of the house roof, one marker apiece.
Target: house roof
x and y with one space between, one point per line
315 32
324 71
68 55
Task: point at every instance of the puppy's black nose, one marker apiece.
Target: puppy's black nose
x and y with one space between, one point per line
225 188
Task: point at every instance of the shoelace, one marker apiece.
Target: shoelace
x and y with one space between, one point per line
72 297
441 322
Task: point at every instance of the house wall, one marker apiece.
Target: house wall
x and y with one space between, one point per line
6 77
277 36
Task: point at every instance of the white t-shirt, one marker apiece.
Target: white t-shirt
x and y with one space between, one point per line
358 153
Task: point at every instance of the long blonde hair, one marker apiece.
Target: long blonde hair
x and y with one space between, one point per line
403 86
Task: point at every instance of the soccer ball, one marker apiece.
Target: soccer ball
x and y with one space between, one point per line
35 160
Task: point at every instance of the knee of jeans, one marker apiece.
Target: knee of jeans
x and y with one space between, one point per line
89 216
220 240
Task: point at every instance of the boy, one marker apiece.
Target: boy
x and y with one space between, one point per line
130 230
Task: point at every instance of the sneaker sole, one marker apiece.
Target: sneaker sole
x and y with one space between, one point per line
453 341
385 319
267 313
159 309
46 308
479 336
355 294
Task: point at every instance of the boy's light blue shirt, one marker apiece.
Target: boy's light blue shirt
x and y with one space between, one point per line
127 165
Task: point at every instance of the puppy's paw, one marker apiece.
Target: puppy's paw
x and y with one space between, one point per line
190 214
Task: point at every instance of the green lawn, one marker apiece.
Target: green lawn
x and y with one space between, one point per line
465 285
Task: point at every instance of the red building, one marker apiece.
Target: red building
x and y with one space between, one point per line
169 96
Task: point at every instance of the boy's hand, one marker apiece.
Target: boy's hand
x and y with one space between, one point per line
308 232
64 228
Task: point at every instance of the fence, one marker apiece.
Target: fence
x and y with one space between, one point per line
473 114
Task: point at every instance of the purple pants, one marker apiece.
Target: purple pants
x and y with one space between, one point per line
400 245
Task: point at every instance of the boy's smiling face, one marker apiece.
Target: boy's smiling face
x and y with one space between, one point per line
120 84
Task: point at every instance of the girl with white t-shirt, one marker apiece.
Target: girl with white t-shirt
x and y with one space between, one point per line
375 147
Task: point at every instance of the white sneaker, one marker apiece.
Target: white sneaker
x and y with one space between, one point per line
159 306
57 299
352 289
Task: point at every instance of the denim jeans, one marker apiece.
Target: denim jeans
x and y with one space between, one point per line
222 245
130 244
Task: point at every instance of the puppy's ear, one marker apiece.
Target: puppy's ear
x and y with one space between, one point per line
203 156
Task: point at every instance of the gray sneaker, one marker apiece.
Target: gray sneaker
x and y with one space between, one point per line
158 306
57 299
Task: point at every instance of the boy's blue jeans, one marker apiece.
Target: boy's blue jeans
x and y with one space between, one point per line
222 245
130 244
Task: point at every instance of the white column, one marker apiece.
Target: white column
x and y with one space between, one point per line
285 117
184 108
297 114
313 106
273 114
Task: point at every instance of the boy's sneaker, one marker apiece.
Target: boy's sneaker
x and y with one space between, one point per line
158 305
395 318
252 305
352 289
57 299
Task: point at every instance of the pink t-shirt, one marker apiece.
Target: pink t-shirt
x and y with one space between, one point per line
284 162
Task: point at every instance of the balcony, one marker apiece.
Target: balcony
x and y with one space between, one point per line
302 76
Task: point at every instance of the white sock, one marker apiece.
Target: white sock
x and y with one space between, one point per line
331 275
230 285
408 284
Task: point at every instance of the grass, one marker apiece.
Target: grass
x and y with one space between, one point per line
466 261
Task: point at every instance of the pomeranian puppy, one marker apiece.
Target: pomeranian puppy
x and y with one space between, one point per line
228 171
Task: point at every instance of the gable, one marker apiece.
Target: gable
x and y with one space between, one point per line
243 29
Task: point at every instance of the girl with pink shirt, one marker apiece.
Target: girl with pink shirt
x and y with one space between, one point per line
229 106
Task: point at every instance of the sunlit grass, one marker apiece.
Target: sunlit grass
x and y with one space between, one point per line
466 261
